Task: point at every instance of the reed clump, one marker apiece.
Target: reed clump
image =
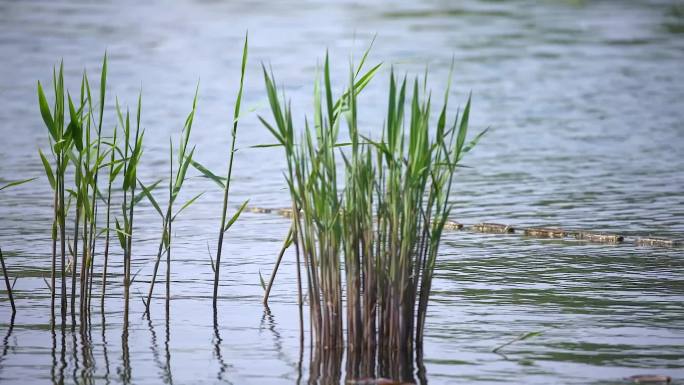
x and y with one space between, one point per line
78 150
370 247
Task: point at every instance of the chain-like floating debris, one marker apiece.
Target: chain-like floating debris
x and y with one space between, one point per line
539 232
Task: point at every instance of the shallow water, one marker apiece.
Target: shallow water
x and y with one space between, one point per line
585 104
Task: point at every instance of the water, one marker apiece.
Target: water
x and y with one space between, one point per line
585 104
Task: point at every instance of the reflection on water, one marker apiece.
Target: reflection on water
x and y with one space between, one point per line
217 340
584 101
6 340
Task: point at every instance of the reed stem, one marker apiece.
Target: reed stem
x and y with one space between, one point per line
231 156
286 244
7 284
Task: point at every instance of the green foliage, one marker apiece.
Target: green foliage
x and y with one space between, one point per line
382 230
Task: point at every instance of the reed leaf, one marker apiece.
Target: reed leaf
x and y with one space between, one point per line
235 216
20 182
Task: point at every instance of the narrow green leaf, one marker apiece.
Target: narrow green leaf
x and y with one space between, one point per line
75 128
188 203
236 112
365 56
103 86
235 216
462 130
139 197
46 114
180 178
115 171
208 174
261 281
275 133
211 259
18 182
121 235
475 140
148 195
530 335
267 145
48 169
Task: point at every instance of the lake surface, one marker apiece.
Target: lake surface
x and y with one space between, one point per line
585 104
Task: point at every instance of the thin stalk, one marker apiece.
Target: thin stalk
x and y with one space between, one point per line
84 264
130 225
62 230
87 214
54 260
7 283
300 301
93 227
175 185
224 210
165 238
74 264
109 206
169 221
124 238
160 252
86 219
286 244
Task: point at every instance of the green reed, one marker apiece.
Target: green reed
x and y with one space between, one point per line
79 192
79 150
74 145
114 170
131 155
60 144
382 230
184 159
92 179
224 183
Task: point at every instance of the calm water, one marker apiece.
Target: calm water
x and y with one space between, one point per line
585 104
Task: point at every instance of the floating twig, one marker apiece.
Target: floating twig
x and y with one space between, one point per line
649 379
545 232
287 213
495 228
521 337
647 241
260 210
599 237
452 225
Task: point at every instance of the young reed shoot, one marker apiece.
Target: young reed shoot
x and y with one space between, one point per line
224 183
184 159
